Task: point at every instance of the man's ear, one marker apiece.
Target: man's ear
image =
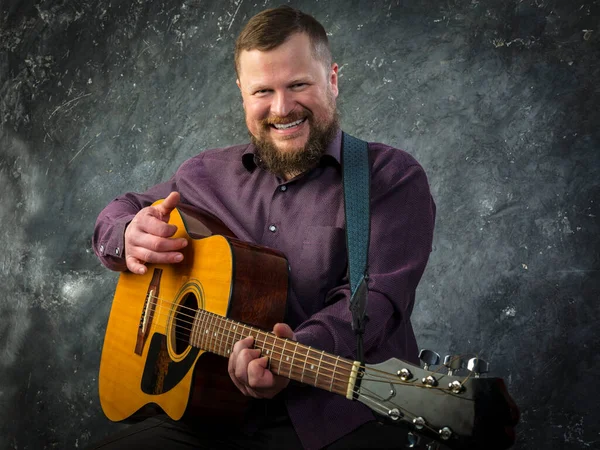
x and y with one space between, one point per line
333 79
237 81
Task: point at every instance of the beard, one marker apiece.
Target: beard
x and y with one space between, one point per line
292 163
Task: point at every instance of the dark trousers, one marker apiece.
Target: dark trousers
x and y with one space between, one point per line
161 433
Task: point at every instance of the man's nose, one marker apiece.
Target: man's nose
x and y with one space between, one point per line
283 104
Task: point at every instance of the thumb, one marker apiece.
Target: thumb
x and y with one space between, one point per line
283 330
168 205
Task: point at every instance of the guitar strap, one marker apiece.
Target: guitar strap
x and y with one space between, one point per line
356 184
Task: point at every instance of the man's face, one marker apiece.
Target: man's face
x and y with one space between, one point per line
289 96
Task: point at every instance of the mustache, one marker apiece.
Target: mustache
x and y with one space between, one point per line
292 117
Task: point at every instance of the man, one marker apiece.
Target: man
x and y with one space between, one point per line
284 190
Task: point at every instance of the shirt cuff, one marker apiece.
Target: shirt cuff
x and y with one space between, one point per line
112 251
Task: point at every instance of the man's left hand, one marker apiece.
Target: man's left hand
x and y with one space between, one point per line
249 371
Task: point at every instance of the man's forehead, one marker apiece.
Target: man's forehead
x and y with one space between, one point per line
295 56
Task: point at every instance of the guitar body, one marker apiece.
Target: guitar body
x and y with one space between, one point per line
147 360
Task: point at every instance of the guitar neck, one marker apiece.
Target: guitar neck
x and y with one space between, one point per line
287 358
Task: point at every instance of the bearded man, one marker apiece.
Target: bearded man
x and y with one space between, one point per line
284 191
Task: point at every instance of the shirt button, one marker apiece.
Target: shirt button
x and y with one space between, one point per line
283 188
272 228
117 251
102 249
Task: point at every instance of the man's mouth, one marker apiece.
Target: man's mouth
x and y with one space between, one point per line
285 126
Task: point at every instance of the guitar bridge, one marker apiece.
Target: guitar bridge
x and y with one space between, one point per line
148 311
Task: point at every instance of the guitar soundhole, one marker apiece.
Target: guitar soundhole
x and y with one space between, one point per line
186 311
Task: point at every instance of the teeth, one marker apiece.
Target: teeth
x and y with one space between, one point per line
287 125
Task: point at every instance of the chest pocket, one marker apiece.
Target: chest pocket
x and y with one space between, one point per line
322 264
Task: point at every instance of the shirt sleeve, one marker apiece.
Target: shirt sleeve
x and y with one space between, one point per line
108 241
402 222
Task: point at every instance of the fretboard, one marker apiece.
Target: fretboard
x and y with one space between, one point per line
287 358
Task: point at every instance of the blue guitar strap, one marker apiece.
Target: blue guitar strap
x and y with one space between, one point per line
356 183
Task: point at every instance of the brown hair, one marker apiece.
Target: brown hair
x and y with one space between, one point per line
272 27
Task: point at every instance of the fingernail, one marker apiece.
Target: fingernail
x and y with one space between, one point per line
178 258
142 270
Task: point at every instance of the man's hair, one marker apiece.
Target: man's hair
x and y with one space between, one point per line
272 27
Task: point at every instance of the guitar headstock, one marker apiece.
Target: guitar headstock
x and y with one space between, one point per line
449 402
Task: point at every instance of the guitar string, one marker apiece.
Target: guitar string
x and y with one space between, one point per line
392 378
265 335
383 373
258 331
223 319
274 357
437 371
358 392
237 336
384 377
366 399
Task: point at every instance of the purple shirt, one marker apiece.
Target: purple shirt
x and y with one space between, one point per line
304 218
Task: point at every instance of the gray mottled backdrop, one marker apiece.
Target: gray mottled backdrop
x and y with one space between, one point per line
497 99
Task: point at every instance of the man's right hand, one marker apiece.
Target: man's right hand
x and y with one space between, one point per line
148 237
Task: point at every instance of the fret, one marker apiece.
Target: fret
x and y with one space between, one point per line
270 352
263 343
292 363
216 333
228 346
205 332
304 367
282 353
199 328
272 358
198 336
244 334
221 328
333 374
209 333
235 335
319 367
226 328
273 346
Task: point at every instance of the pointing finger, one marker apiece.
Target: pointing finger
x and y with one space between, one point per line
168 205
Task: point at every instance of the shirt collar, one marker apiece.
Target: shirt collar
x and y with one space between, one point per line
332 155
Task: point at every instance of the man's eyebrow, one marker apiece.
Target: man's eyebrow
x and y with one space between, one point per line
302 79
253 87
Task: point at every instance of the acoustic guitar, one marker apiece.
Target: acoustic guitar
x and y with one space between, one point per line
171 330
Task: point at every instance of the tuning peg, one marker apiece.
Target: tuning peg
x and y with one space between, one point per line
453 363
478 366
429 358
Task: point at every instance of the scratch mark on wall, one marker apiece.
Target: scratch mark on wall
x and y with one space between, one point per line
235 14
66 103
81 149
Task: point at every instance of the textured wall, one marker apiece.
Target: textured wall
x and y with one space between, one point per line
497 99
